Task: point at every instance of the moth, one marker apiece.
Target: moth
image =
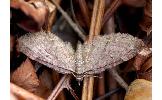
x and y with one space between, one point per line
94 57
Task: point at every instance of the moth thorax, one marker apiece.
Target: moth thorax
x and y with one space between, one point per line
79 77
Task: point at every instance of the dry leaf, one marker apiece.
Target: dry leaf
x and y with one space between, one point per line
30 15
139 89
140 59
46 80
146 70
25 76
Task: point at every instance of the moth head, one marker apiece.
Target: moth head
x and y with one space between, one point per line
79 77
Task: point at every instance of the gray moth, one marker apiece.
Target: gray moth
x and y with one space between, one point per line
102 53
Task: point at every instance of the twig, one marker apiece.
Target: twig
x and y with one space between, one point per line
69 20
63 83
117 77
85 88
101 84
90 88
93 20
20 92
108 94
110 11
99 18
85 11
56 78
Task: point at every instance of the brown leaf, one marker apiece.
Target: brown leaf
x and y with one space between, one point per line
29 15
46 79
25 76
142 56
146 70
139 89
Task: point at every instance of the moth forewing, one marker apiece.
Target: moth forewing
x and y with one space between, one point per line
50 50
111 50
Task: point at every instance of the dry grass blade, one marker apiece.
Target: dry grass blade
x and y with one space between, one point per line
142 56
117 77
85 11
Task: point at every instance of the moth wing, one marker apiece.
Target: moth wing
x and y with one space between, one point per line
48 49
109 51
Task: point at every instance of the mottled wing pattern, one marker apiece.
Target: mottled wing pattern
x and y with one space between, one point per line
108 51
48 49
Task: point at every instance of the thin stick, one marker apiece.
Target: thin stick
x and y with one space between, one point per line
117 77
90 88
101 85
60 86
99 18
85 88
56 78
23 93
111 10
108 94
63 83
93 20
84 11
69 20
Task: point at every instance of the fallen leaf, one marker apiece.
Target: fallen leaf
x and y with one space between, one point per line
139 89
146 70
140 59
29 15
25 76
